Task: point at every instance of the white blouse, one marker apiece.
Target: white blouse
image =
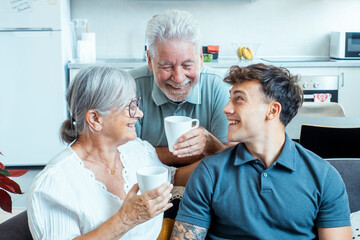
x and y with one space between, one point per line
65 200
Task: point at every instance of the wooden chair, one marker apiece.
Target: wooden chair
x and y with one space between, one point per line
331 142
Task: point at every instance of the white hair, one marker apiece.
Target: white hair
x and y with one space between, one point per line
172 24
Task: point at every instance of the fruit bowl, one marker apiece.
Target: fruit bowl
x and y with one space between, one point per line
245 51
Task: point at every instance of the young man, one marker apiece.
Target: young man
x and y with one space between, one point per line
267 186
176 83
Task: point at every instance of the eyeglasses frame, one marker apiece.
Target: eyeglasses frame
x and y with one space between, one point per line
133 108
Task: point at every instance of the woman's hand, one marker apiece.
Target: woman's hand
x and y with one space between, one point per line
137 209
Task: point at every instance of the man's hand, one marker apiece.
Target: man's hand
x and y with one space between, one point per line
196 142
192 146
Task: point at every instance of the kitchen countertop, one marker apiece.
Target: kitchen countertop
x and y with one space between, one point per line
227 62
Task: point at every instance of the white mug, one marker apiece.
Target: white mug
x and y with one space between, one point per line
175 126
151 177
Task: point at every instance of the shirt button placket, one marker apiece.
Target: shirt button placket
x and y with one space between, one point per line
265 183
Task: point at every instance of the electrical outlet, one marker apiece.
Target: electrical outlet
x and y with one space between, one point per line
80 23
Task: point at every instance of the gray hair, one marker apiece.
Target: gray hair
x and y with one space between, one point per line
99 88
172 24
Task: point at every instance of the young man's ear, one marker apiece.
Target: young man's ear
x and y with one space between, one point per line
94 120
274 111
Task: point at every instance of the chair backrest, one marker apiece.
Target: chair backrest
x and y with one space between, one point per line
327 109
16 228
331 142
349 169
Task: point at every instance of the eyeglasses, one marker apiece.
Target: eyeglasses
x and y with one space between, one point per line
133 106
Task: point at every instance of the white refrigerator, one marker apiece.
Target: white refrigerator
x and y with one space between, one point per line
35 46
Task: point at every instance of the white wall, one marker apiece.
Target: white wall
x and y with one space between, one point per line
284 27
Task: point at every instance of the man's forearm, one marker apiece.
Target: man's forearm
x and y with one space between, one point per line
167 158
183 174
183 231
336 233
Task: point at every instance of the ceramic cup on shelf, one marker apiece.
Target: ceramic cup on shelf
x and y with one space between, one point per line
90 37
84 51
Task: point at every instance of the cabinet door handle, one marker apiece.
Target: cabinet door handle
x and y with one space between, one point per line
342 79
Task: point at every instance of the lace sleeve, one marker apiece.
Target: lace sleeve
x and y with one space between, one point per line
177 192
150 150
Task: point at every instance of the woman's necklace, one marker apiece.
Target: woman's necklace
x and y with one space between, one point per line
112 170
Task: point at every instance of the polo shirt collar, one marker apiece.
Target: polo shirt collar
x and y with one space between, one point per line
286 158
288 154
242 155
160 98
157 95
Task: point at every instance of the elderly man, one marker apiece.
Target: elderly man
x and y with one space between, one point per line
176 83
267 186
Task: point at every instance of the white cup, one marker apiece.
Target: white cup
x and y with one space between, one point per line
88 36
151 177
84 51
175 126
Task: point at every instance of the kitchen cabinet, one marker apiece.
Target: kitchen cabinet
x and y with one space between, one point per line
349 90
314 71
349 84
73 72
123 63
74 67
348 73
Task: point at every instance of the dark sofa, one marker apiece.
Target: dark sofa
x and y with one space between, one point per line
16 228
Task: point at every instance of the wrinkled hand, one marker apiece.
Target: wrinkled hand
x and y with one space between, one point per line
192 143
137 209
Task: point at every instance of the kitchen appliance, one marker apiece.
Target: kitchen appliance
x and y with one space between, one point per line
35 47
312 85
345 45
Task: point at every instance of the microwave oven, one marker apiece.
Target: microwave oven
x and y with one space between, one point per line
345 45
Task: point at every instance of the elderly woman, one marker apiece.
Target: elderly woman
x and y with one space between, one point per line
89 190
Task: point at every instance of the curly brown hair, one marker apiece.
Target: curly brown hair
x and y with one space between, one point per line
277 84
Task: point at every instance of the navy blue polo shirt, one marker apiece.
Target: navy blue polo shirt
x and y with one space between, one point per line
235 196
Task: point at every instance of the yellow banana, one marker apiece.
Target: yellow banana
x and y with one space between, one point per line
247 53
251 53
239 52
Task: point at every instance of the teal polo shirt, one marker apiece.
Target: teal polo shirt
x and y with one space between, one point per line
235 196
205 102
